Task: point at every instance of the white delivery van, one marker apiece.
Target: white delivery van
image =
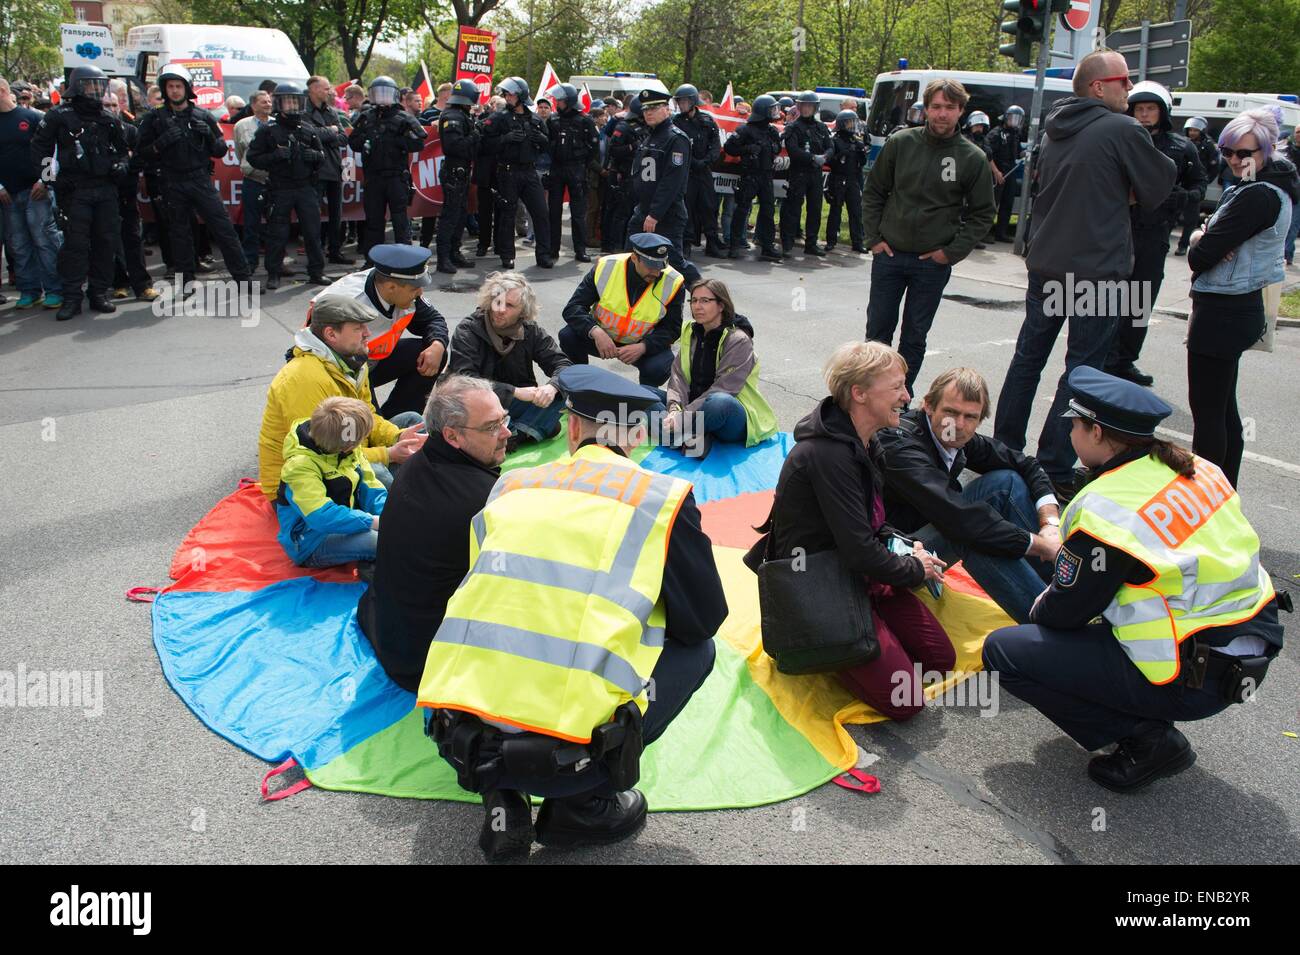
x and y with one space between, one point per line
248 55
618 84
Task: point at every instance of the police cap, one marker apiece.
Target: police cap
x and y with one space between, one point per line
406 263
652 248
1114 402
650 98
600 395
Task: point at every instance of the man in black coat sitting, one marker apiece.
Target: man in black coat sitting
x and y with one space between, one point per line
1003 526
424 532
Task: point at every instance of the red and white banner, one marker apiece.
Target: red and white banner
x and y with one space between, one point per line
549 81
205 77
426 167
476 52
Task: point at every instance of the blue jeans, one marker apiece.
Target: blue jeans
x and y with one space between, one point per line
923 282
1011 582
35 240
1289 251
343 549
1087 343
724 418
254 206
534 422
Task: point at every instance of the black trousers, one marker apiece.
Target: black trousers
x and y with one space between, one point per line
412 388
487 201
386 193
845 191
515 185
702 211
616 212
749 187
802 187
455 209
129 267
572 176
1191 218
305 201
331 229
91 231
1149 251
153 186
182 200
1216 421
1007 197
671 227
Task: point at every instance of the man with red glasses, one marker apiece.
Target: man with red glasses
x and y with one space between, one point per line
1095 162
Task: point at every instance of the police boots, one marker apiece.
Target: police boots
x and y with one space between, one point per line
507 831
1155 749
100 303
589 820
445 265
458 259
70 308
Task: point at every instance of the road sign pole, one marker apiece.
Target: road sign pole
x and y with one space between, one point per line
1027 178
1142 54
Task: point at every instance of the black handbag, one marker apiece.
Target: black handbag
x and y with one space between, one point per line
816 614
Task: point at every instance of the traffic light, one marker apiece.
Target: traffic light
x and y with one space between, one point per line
1028 25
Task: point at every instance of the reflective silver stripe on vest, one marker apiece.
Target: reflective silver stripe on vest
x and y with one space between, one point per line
544 648
479 526
1141 611
1162 650
603 279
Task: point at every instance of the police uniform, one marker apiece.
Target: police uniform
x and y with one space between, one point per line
292 152
575 144
515 138
460 138
1003 146
613 296
184 142
394 355
660 170
89 144
385 137
538 679
757 144
1188 616
806 140
624 141
701 196
847 160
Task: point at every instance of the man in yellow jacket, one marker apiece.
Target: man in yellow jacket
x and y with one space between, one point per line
329 358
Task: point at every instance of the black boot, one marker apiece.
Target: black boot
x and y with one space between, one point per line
507 825
100 303
458 259
70 308
714 249
590 820
319 280
581 256
445 266
1181 250
1132 373
482 251
771 255
272 281
814 250
1156 749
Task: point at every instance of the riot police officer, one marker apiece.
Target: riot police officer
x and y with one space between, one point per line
90 146
385 135
914 117
706 147
460 138
977 128
575 145
757 145
485 182
516 136
292 152
848 157
1003 148
807 141
624 140
1195 131
660 169
1150 104
184 140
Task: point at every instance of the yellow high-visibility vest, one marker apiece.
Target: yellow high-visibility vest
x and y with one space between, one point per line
629 322
559 620
1192 535
760 419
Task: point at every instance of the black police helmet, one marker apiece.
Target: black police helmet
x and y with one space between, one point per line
519 87
688 92
808 96
846 120
383 91
634 108
464 93
88 83
289 98
761 111
785 102
565 96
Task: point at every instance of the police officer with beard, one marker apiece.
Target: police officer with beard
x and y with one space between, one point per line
1195 131
660 170
292 152
575 145
807 141
516 136
460 139
90 146
624 140
757 145
1150 104
848 157
385 135
185 140
1003 148
706 147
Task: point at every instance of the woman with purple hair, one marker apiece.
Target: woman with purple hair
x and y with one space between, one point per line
1232 260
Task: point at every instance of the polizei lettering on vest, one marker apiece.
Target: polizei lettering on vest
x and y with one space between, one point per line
1182 506
75 907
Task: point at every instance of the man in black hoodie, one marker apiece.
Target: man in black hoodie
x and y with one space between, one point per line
1095 162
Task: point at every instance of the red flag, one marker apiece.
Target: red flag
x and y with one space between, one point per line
549 82
425 89
727 100
584 99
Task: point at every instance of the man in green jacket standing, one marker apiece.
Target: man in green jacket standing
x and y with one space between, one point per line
929 199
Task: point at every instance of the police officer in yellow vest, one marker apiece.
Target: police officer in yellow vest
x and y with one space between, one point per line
1155 544
628 307
584 625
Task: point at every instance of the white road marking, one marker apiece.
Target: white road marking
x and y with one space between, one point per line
1249 455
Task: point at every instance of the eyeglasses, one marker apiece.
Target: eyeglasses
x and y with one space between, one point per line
491 427
702 299
1122 78
1239 153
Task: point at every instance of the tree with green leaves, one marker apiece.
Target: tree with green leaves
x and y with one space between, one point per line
30 41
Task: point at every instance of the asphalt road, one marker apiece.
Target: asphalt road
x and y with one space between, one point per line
118 432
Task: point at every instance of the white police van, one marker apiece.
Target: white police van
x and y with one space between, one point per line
990 93
619 84
1218 108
